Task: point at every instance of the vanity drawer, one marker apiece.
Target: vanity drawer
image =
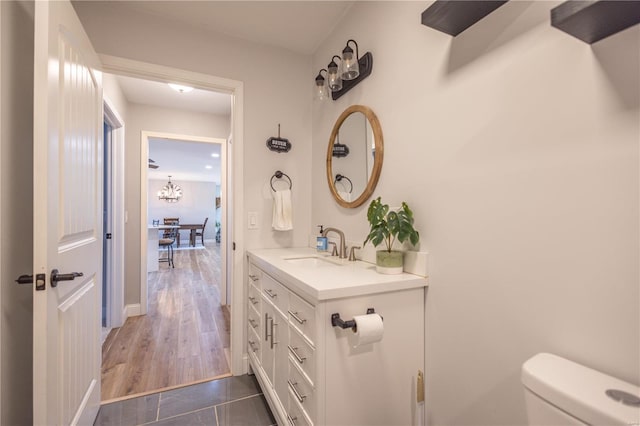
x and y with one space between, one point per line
253 297
302 354
275 293
301 390
296 415
303 317
254 275
253 318
253 343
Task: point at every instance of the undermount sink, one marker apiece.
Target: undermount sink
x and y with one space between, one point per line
314 261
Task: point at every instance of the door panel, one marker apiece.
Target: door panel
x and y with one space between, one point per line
67 218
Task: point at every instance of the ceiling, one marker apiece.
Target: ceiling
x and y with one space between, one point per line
298 26
184 160
153 93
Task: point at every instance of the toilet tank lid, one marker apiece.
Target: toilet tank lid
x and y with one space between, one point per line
579 390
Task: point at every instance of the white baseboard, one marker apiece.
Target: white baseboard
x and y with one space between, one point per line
132 310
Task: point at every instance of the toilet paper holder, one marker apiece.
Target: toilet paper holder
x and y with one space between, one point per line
336 321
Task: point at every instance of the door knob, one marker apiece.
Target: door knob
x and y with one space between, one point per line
56 276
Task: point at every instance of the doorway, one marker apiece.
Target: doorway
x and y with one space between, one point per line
146 219
113 220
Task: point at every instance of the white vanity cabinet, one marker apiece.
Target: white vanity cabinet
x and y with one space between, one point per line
311 372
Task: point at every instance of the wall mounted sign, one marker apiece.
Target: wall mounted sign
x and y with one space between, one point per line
278 144
340 150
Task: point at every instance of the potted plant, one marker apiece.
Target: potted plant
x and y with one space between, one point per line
389 226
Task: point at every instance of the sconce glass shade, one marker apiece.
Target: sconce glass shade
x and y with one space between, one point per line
350 67
170 193
334 73
320 91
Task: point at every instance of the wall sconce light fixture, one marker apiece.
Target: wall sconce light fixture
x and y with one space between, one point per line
321 92
171 193
344 75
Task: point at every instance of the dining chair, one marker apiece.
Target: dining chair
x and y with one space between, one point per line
172 221
167 241
200 233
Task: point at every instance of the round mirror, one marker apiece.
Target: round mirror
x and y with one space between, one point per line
354 156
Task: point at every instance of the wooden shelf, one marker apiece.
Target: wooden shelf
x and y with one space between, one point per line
455 16
591 21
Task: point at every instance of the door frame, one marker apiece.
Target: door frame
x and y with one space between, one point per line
234 237
144 203
115 289
1 258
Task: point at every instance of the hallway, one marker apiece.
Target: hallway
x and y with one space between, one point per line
183 339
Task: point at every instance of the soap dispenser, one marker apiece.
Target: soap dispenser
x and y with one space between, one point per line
321 240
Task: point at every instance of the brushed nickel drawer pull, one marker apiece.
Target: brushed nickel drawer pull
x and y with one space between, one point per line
253 277
253 345
270 293
292 420
253 300
266 332
295 391
296 317
253 322
295 354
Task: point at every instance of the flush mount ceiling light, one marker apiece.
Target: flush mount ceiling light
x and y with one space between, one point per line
180 88
342 76
170 193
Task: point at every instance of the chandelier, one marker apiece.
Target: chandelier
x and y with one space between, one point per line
170 193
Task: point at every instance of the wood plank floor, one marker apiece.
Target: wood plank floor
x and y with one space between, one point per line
183 339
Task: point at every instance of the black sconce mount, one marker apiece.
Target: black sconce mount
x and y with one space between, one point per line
366 65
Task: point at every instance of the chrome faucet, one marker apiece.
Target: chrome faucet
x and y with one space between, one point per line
343 248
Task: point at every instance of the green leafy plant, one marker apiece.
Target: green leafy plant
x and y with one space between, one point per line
389 226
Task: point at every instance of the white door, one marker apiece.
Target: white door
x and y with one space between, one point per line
67 219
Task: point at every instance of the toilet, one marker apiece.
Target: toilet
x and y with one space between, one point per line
560 392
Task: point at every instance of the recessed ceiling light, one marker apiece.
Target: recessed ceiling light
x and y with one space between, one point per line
215 155
208 167
180 88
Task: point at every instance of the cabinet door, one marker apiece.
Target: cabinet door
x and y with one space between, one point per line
281 355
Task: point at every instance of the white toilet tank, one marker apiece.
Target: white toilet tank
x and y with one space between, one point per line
560 392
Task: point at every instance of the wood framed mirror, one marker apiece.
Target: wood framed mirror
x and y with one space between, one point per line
354 156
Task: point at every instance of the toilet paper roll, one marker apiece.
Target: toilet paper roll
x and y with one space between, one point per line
369 329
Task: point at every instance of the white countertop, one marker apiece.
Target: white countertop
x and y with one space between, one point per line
331 279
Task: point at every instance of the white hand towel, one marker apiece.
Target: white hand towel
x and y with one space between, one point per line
345 195
282 212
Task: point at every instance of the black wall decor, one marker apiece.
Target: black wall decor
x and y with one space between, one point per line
340 150
278 144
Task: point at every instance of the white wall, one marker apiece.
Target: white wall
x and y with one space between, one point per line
277 89
516 145
17 206
197 203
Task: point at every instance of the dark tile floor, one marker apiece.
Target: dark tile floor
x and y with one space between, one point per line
233 401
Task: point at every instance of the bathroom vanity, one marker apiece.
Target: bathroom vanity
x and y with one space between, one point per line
314 373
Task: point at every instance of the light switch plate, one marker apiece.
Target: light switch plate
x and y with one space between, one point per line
252 221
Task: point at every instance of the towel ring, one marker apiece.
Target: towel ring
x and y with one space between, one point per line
278 175
339 178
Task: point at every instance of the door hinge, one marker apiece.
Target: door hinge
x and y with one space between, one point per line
108 236
234 245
